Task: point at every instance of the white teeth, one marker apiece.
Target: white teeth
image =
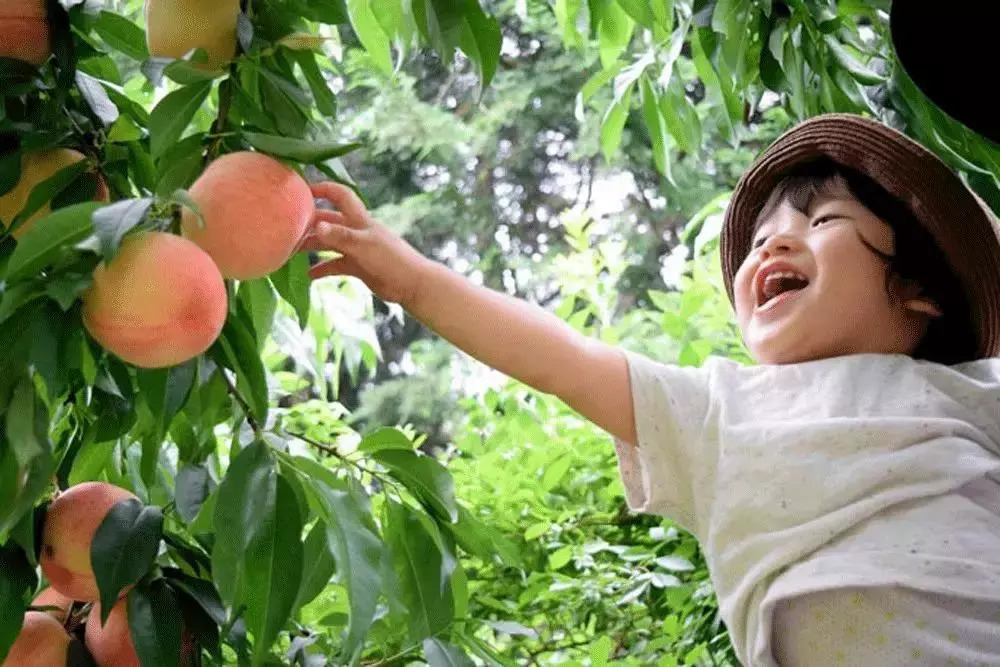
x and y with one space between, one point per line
786 274
770 284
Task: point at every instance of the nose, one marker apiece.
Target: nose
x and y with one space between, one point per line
779 243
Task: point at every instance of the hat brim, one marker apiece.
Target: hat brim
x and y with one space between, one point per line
944 50
965 229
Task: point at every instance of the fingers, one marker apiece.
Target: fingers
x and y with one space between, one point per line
330 236
333 217
343 198
341 266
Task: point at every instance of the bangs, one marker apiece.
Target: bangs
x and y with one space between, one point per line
817 181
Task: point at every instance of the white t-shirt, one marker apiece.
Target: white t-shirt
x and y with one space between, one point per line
828 474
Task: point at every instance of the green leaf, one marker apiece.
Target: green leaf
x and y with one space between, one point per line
657 128
421 568
443 654
293 284
122 35
163 392
259 300
236 349
17 581
300 150
386 437
641 11
561 557
537 530
554 473
155 623
358 553
326 101
48 237
615 33
601 651
173 114
479 539
370 33
200 591
711 79
112 222
92 90
854 67
613 126
274 571
426 478
481 39
319 565
124 548
681 118
192 486
27 442
246 499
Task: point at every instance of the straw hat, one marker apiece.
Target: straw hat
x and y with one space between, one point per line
962 225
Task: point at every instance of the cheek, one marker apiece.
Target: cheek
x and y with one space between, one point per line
742 288
851 267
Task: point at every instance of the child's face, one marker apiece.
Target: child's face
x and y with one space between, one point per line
844 307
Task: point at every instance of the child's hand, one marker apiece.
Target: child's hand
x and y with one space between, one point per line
385 262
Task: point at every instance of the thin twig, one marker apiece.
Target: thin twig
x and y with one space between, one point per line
332 451
243 404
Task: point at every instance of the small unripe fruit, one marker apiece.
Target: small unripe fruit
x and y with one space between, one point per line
24 31
175 27
111 645
70 525
36 167
256 212
160 302
50 597
42 641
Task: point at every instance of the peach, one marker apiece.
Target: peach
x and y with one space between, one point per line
160 302
174 27
50 597
70 525
256 211
111 645
42 641
24 31
37 166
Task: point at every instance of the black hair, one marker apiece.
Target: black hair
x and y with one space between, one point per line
949 339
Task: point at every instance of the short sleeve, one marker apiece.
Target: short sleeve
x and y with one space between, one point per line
671 407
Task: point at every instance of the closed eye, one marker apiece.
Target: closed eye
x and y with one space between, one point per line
825 218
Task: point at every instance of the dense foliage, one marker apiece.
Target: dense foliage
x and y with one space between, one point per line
329 484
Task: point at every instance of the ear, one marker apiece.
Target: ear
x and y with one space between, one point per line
923 305
910 296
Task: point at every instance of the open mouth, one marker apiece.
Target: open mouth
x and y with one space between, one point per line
778 283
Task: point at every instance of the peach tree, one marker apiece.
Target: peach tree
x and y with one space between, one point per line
207 520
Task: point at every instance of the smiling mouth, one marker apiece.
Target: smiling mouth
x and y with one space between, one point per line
778 286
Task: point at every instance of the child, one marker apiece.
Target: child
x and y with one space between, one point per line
843 489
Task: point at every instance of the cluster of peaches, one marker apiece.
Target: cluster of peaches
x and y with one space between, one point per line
162 300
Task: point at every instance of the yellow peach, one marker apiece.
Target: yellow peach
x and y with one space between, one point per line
111 645
175 27
160 302
42 641
24 31
50 597
70 525
256 211
38 166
